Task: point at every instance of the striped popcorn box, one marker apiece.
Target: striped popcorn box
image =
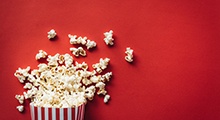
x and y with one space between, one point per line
45 113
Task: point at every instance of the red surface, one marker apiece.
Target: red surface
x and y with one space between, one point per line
175 74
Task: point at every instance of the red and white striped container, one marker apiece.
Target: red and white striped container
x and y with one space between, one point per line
45 113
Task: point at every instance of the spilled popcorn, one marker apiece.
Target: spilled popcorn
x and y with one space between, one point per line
61 82
51 34
129 54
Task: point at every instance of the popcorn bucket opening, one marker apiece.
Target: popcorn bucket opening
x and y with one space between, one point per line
52 113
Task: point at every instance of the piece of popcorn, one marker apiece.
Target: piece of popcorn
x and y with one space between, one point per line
106 76
89 92
102 65
95 79
22 74
106 98
53 60
20 108
41 54
27 86
108 38
68 60
90 44
101 87
78 51
20 98
51 34
129 54
75 40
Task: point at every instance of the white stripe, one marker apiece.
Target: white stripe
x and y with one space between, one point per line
32 111
76 112
46 113
69 113
39 113
61 114
53 113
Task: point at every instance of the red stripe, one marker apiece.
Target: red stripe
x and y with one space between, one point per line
57 113
65 114
49 113
35 113
43 113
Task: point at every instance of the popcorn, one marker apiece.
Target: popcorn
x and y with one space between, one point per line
20 98
106 98
51 34
102 65
20 108
82 40
101 87
89 92
28 86
129 56
90 44
60 83
106 77
78 51
108 38
75 40
41 54
53 60
22 74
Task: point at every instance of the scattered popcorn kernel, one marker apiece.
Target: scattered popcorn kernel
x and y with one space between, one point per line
101 87
106 98
20 98
20 108
41 54
22 74
78 51
129 54
51 34
102 65
75 40
90 44
108 38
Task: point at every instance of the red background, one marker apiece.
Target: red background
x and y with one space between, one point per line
175 73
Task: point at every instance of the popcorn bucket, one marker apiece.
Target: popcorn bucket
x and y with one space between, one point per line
47 113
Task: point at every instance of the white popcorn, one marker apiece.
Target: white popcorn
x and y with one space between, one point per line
20 108
108 38
101 87
53 60
60 83
22 74
89 92
90 44
28 86
75 40
51 34
106 76
20 98
41 54
129 54
106 98
78 51
102 65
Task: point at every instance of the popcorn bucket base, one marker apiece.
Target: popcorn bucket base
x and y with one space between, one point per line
47 113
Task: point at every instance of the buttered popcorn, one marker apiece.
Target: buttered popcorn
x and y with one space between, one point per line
61 82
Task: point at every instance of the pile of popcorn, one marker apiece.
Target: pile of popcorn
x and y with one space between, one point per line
63 82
